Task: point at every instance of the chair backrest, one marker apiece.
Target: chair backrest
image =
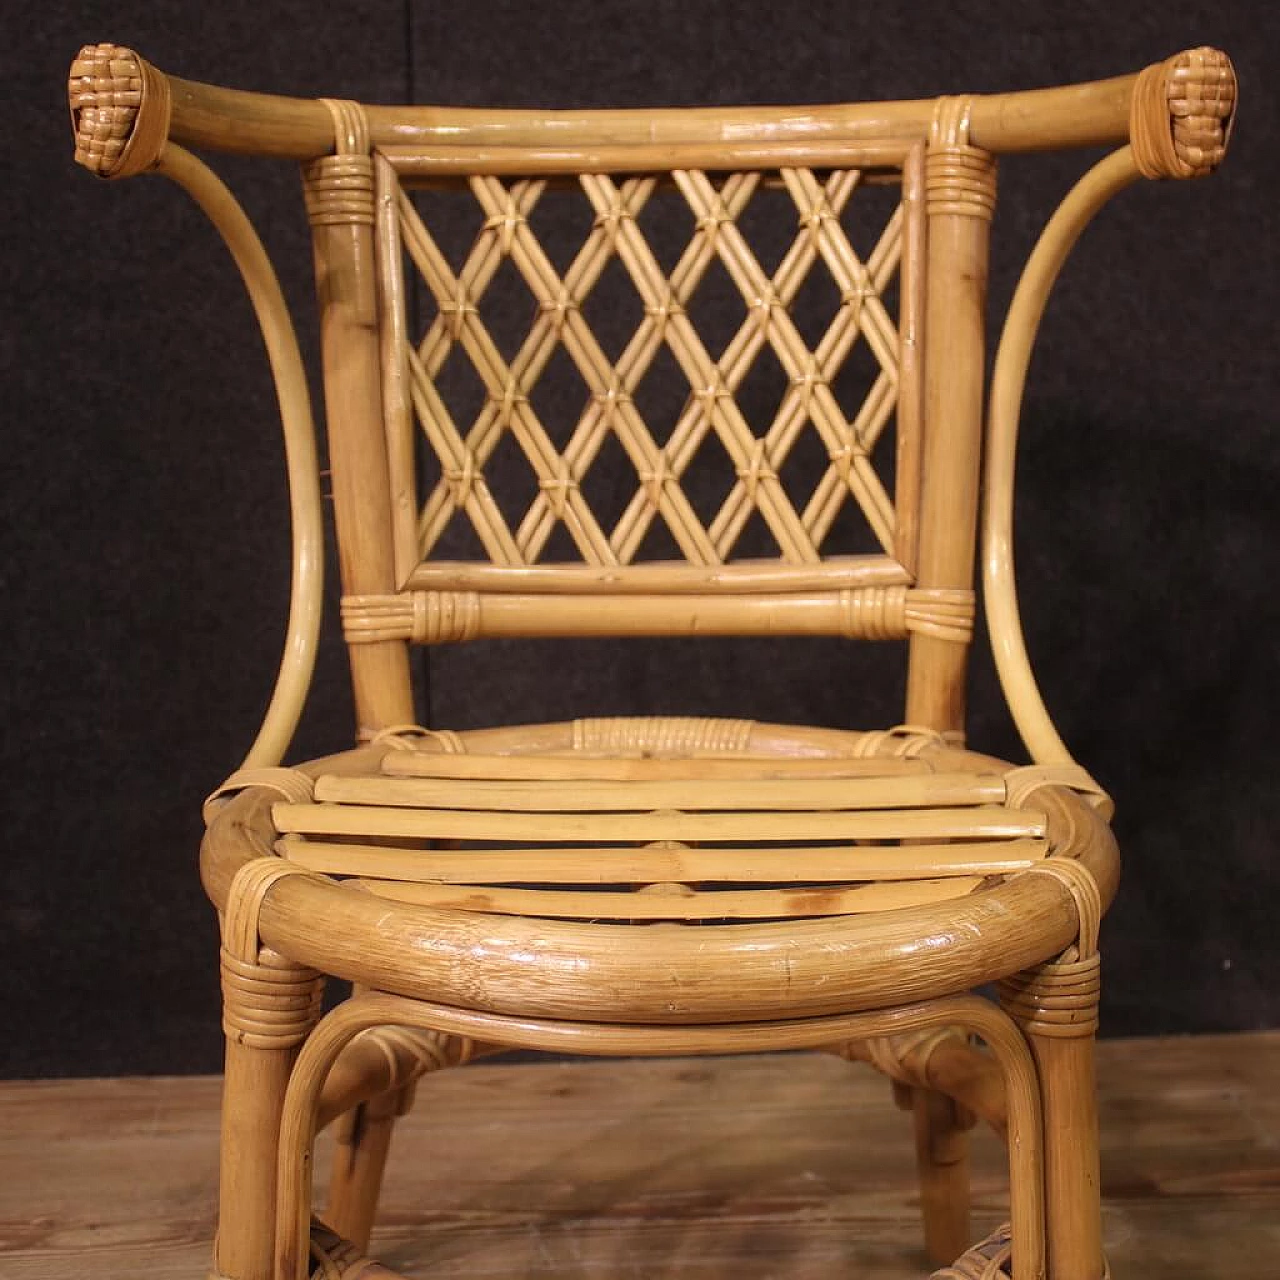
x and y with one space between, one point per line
727 364
778 491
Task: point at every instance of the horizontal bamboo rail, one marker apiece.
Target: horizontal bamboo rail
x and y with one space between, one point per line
866 613
661 577
233 120
1159 109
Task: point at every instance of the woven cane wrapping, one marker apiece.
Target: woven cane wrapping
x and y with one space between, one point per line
119 109
1182 114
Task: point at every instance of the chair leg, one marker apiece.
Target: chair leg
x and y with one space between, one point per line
363 1142
1056 1006
942 1163
1072 1181
252 1103
269 1006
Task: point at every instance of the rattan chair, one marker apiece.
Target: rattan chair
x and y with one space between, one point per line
657 885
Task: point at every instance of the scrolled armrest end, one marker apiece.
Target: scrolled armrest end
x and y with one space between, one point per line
120 109
1181 114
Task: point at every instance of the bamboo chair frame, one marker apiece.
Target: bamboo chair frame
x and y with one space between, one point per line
864 884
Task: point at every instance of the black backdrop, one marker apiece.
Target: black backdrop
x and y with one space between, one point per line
145 568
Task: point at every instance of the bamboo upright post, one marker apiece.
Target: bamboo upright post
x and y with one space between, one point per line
340 203
960 196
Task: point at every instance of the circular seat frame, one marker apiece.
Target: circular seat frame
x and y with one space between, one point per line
667 974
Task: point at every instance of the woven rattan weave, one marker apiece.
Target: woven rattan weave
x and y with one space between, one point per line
663 884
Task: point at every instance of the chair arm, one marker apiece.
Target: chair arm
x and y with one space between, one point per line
120 111
1182 115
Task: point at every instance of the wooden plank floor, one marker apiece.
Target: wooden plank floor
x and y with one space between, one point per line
790 1166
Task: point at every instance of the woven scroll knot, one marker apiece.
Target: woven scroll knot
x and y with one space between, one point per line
268 1001
1181 114
291 784
120 110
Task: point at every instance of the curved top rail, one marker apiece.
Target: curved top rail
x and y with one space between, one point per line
1176 113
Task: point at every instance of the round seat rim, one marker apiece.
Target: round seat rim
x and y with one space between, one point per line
533 967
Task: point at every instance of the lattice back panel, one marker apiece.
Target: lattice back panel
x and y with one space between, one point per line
692 367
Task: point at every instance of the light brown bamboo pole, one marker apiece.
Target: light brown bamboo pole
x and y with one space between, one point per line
1085 115
359 1161
1000 598
959 235
959 196
349 336
1072 1177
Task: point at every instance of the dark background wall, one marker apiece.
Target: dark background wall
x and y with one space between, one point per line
145 566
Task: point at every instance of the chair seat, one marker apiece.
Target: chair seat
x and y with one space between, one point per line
702 868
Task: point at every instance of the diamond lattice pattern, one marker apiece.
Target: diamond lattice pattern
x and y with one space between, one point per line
508 245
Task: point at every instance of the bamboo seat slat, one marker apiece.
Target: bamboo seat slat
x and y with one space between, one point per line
577 766
665 903
690 794
627 864
894 824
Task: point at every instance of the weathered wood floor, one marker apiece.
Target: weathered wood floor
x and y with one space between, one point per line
790 1166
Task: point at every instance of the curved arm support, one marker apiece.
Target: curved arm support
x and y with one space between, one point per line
306 586
1110 176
